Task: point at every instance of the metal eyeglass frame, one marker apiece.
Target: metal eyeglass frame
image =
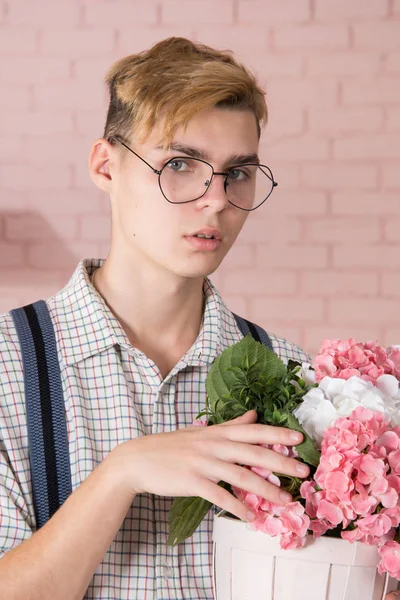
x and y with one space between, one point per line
207 182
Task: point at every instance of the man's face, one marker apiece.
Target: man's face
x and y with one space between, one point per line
147 227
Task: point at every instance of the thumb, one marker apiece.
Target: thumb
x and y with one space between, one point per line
393 596
249 417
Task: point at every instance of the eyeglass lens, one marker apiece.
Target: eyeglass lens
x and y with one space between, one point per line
184 179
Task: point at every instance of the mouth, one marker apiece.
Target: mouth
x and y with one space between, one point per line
207 234
205 239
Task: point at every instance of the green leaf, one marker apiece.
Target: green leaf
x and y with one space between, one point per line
184 517
293 365
247 356
307 450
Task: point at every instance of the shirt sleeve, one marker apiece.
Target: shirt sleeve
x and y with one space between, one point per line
17 521
14 516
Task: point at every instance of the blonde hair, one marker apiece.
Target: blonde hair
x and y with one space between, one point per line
172 81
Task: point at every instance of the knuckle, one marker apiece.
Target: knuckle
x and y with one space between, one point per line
285 435
201 445
286 465
255 429
244 477
271 493
290 465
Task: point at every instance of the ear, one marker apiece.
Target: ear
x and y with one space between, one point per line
101 159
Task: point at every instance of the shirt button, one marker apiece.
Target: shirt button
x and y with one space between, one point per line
168 572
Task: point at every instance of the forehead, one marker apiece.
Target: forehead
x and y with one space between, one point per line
215 132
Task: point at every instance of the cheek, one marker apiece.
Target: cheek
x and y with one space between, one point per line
147 217
139 200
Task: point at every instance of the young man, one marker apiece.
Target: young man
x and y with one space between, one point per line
136 335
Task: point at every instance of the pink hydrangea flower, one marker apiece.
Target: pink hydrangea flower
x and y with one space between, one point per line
390 559
394 360
358 470
330 512
348 358
319 527
311 496
362 503
200 422
394 461
290 522
374 527
357 483
389 441
394 515
369 468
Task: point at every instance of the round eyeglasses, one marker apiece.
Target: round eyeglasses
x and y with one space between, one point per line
183 179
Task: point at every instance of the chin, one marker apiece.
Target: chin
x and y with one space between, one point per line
191 265
192 271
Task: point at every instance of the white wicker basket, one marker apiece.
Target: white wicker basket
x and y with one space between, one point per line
251 565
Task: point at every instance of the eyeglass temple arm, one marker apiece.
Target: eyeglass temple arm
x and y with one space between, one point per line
113 137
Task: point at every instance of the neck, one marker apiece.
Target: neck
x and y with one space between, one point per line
158 311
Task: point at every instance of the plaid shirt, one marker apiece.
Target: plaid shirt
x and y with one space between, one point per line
113 393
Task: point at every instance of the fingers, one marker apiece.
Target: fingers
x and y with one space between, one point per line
257 456
393 596
249 417
255 433
250 482
222 498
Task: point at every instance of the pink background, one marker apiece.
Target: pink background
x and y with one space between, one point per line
322 257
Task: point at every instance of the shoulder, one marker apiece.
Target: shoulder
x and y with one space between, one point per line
11 369
16 506
234 330
287 350
12 399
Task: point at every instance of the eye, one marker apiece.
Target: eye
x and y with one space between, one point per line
237 175
177 164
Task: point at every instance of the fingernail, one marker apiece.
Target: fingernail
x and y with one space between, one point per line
296 436
285 497
302 469
251 516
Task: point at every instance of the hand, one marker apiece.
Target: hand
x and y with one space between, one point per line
191 462
393 596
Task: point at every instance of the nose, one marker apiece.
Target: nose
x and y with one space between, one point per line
215 195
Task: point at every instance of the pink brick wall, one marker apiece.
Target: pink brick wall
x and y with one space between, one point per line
322 258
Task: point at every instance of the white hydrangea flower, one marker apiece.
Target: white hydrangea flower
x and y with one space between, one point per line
339 397
307 373
316 413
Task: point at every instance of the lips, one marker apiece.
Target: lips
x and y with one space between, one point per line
203 244
216 234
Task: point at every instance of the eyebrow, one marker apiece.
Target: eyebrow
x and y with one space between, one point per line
234 159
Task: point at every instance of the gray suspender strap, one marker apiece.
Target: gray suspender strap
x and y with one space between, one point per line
256 331
47 429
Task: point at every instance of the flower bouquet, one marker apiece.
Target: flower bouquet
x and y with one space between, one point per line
345 516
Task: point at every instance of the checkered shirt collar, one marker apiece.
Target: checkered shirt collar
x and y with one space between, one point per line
86 326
